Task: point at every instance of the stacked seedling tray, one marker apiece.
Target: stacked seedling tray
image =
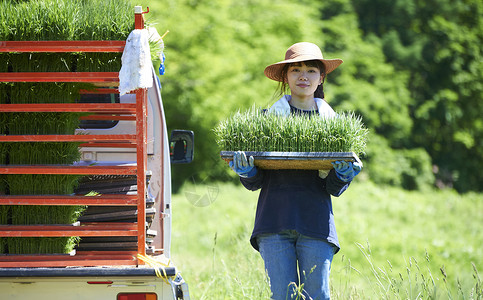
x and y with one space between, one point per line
292 142
38 145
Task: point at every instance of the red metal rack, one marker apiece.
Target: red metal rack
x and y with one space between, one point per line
137 112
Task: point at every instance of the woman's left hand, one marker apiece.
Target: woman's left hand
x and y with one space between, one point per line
346 170
242 166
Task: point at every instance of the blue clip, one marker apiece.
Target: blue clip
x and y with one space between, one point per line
161 65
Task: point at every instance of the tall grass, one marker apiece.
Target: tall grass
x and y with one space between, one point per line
396 244
255 130
416 280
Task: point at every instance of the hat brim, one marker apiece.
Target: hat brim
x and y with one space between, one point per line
274 71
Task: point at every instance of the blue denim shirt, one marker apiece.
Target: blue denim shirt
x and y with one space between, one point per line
295 200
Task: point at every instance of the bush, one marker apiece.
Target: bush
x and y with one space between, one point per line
408 168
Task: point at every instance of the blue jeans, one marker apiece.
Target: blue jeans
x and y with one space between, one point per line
293 260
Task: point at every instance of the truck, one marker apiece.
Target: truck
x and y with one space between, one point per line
125 158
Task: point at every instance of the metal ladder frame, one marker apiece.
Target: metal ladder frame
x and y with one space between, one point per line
116 111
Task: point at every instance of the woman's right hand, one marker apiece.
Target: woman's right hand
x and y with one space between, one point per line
242 166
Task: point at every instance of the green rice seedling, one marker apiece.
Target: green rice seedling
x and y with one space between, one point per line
5 89
4 214
39 20
43 123
4 209
4 62
42 214
39 184
44 153
27 184
4 150
66 20
4 98
43 245
41 62
105 20
46 92
255 130
98 62
65 62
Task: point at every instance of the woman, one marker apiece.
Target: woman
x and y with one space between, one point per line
294 225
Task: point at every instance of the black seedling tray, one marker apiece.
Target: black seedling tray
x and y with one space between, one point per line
295 160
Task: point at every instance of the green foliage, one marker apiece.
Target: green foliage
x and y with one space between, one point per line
256 130
409 168
438 44
411 69
215 55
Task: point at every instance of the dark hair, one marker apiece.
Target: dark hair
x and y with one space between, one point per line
319 92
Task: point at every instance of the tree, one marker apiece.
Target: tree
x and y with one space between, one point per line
373 88
438 43
216 52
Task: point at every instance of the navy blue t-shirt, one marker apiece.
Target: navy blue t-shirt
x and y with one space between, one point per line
295 200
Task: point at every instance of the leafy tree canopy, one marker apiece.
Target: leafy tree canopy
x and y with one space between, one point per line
412 69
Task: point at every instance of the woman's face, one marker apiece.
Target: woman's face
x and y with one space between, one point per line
303 80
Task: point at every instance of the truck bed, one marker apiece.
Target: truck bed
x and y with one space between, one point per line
80 283
83 272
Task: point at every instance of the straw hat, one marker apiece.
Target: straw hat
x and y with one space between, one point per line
301 52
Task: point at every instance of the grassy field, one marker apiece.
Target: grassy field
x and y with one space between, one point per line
396 244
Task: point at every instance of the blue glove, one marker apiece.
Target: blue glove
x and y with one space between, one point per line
346 170
243 167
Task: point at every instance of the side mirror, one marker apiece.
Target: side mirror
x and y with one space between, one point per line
181 146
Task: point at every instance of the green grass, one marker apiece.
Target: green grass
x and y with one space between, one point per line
254 130
395 244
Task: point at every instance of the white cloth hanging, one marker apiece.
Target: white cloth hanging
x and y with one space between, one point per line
136 63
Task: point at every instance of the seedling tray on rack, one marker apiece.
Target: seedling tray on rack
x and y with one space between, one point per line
295 160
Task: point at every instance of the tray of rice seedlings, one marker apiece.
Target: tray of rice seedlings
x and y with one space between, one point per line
33 184
65 20
44 20
32 123
38 184
42 153
292 142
